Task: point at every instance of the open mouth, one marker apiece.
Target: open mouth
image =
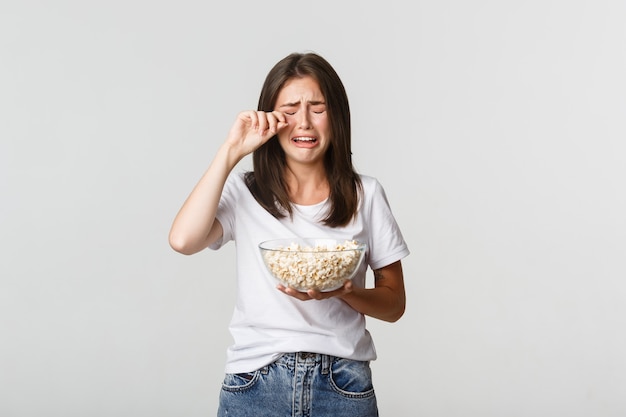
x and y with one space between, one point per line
304 139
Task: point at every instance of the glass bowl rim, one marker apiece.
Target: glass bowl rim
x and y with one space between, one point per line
309 248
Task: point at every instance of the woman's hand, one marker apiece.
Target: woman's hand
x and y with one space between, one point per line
315 294
386 301
195 227
252 129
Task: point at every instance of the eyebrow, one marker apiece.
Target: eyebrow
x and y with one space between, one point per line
313 103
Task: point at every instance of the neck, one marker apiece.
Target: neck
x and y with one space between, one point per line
307 186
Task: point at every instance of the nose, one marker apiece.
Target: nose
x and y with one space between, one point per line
304 121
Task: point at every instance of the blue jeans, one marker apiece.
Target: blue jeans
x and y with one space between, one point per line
301 385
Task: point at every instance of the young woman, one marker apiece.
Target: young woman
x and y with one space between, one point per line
297 353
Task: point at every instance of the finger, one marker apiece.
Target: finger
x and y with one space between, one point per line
254 119
316 294
264 123
272 122
293 293
280 117
343 290
277 121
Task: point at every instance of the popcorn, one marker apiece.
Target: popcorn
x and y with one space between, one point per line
321 267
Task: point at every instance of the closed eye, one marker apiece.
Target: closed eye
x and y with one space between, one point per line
318 109
289 109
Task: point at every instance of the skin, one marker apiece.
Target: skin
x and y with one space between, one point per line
301 121
305 140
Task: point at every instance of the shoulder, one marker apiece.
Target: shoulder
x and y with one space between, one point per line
373 192
370 184
235 186
368 181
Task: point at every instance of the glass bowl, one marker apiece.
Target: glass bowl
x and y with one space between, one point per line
312 263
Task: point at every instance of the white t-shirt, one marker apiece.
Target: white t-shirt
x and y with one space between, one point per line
267 322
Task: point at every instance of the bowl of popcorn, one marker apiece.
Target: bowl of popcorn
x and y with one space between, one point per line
312 263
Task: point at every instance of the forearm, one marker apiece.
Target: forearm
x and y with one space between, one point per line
385 302
382 303
193 225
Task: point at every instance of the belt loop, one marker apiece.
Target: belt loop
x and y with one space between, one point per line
325 364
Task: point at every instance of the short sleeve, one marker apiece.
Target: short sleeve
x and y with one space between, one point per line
386 242
226 210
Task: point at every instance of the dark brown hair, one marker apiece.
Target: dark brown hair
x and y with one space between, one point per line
266 182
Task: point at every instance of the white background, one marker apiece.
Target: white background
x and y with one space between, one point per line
496 127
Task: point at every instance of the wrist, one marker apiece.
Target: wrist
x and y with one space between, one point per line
229 155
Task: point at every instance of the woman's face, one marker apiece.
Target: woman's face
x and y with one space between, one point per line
307 137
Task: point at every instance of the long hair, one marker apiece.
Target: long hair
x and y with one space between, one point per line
266 182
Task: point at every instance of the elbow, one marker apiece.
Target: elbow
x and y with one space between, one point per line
180 244
396 314
397 311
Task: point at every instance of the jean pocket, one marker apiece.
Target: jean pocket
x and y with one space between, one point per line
352 378
240 382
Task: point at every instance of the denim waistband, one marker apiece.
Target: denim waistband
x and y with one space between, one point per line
306 359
